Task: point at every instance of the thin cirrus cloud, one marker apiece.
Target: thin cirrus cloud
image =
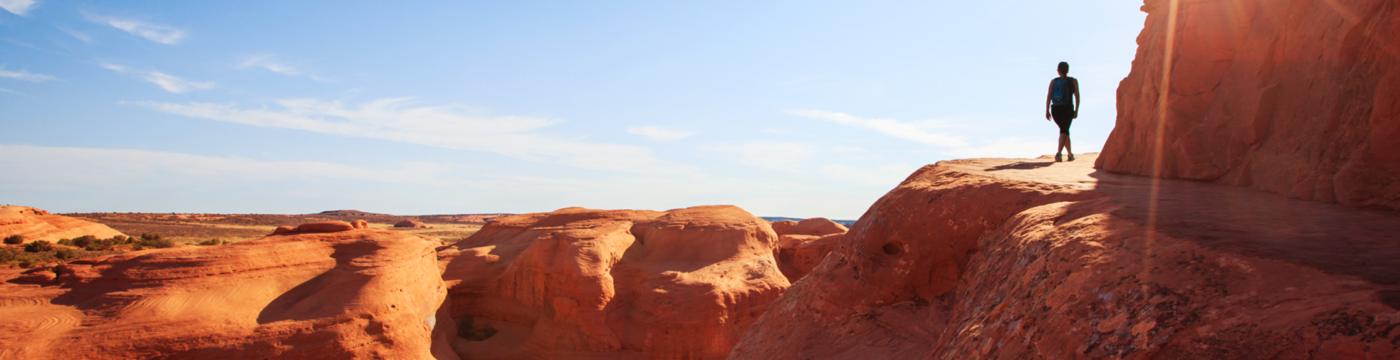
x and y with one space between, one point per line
441 126
171 83
888 175
913 131
266 62
659 134
153 32
24 75
18 7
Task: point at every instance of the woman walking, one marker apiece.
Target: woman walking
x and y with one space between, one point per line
1058 106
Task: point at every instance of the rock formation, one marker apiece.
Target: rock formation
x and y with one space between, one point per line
348 293
993 258
1296 97
579 283
35 224
414 224
803 244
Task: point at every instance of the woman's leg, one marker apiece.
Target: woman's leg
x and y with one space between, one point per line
1064 142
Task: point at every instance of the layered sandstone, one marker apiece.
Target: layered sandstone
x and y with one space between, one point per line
580 283
803 244
1011 259
35 224
326 294
1296 97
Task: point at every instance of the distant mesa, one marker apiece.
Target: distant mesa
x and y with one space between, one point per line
581 283
347 213
774 219
34 224
412 224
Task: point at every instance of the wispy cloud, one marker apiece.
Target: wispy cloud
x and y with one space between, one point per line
440 126
913 131
18 7
76 34
171 83
69 164
659 134
782 156
153 32
266 62
11 91
24 75
888 175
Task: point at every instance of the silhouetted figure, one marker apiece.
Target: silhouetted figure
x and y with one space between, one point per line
1058 106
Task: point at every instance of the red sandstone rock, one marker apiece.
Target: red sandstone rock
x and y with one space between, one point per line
411 224
988 258
813 226
35 224
579 283
350 294
1296 97
324 227
283 230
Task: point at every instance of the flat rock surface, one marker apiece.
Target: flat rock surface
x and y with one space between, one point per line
1004 258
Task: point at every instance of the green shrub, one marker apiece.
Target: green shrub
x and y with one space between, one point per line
65 242
155 242
214 241
14 239
6 255
123 239
38 246
65 254
84 241
148 237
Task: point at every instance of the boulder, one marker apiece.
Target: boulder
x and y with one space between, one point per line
1296 97
413 224
35 224
580 283
348 294
813 226
998 258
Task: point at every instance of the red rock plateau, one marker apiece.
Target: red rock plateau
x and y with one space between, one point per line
324 292
803 244
35 224
993 258
1295 97
411 224
579 283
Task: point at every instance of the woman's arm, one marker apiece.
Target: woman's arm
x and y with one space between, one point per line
1048 93
1077 97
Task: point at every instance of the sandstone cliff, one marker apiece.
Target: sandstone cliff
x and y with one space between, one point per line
35 224
1296 97
994 258
579 283
803 244
319 294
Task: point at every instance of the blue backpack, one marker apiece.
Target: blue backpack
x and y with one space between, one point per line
1062 91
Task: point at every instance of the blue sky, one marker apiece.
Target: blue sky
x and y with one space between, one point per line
784 108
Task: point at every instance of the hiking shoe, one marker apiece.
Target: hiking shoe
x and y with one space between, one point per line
1071 157
1057 158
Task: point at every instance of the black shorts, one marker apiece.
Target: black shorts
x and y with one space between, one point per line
1063 115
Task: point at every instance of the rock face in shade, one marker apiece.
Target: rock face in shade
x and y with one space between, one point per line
1296 97
579 283
35 224
803 244
328 295
414 224
1006 259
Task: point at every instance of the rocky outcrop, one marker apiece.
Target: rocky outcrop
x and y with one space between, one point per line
412 224
579 283
1296 97
803 244
351 293
994 258
35 224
